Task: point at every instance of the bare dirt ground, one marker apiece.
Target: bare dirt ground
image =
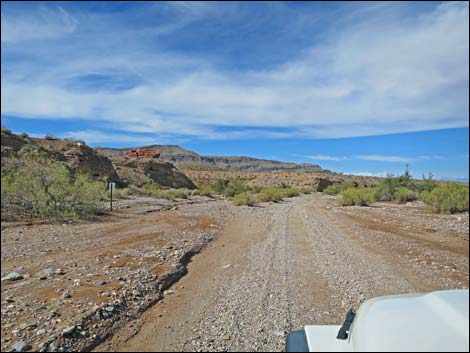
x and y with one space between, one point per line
304 261
256 273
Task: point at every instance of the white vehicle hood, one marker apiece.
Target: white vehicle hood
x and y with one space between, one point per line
438 321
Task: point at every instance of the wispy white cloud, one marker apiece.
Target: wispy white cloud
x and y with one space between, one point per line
371 174
45 23
379 158
356 81
94 137
322 157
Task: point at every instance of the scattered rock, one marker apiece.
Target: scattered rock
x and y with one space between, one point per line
21 346
40 332
109 309
136 293
68 331
12 276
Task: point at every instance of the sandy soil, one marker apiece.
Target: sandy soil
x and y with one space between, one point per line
126 282
304 261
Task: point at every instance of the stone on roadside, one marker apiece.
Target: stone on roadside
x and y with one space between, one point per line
68 330
21 346
12 276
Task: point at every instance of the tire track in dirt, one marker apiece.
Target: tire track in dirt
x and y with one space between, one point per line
276 268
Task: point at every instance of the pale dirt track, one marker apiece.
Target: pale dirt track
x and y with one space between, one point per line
304 261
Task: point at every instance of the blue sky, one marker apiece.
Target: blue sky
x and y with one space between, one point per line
359 88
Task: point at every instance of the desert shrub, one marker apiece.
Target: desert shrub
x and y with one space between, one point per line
290 192
337 188
331 190
134 190
171 194
220 185
179 193
357 196
405 195
150 188
121 193
447 199
44 188
306 190
229 187
405 179
23 135
235 187
244 198
270 194
427 184
387 188
5 129
49 136
205 190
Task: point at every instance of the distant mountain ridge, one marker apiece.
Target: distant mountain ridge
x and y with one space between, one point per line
179 155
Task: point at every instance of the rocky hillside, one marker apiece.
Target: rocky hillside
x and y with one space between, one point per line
138 171
191 160
81 158
76 154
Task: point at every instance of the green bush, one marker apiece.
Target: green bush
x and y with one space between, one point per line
357 196
39 187
244 198
405 195
205 190
447 199
427 184
150 188
270 194
337 188
220 185
387 188
331 190
290 192
121 193
229 187
179 193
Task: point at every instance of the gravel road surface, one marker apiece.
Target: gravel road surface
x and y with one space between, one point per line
306 260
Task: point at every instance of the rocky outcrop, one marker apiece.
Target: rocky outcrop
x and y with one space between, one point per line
321 184
78 157
186 158
137 171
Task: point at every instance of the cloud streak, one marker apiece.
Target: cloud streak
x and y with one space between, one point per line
376 158
368 78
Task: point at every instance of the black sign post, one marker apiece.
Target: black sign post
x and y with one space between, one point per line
111 189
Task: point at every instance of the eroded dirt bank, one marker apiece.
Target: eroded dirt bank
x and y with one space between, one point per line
81 282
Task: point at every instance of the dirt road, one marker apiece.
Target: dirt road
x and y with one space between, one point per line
303 261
